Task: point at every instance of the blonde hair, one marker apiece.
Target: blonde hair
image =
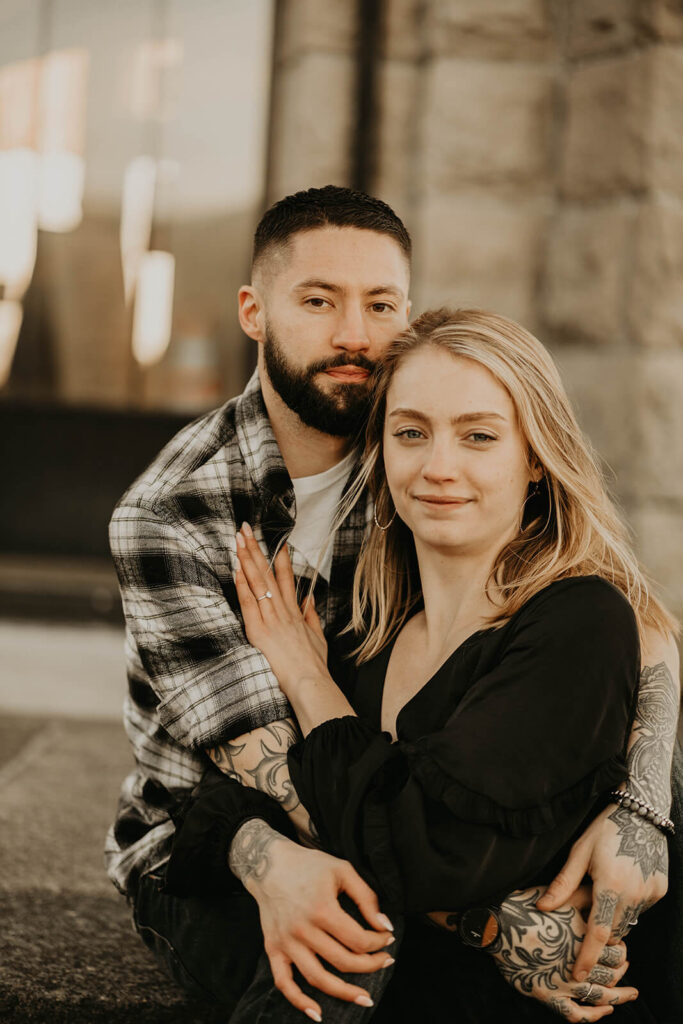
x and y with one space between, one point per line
570 527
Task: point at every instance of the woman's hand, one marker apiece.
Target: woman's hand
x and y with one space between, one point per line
293 641
297 891
536 951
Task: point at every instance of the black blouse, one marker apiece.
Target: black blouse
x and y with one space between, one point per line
500 757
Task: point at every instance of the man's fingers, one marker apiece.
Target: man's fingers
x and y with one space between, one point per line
567 881
565 1007
598 931
613 956
597 995
284 981
607 976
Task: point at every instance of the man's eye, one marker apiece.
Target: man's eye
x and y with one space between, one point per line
317 302
382 307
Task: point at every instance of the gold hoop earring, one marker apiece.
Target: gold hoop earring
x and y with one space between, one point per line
379 525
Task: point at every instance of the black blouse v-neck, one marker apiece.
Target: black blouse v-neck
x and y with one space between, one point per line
499 760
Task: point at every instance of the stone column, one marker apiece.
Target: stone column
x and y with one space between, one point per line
611 302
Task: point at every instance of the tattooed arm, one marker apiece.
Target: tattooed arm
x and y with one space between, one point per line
625 855
259 759
297 891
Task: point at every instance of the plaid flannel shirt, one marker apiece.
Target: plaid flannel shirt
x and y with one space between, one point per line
193 679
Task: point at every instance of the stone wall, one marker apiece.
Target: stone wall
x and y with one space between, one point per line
534 149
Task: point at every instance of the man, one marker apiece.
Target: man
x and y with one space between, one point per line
329 291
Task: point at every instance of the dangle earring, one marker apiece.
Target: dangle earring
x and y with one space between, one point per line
379 525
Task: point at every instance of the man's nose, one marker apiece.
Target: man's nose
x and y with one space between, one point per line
352 333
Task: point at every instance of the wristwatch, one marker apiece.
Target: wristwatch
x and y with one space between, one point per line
479 926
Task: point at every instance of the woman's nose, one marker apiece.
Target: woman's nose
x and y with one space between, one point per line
441 464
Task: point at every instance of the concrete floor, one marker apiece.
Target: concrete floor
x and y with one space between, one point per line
63 669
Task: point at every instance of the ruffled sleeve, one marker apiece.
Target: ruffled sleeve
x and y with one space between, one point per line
488 802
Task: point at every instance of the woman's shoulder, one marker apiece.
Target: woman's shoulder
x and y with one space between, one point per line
589 604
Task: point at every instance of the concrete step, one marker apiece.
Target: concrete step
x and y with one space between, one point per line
68 953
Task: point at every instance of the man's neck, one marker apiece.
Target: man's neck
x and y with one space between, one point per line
305 451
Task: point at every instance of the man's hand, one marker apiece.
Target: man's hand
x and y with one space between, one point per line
535 952
627 858
297 892
625 855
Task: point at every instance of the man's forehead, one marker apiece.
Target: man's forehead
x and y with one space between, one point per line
346 255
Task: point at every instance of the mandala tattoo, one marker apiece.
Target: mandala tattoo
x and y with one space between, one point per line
249 852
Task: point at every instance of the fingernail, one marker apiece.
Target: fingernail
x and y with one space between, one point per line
582 975
240 540
363 1001
385 922
389 961
390 940
314 1015
247 530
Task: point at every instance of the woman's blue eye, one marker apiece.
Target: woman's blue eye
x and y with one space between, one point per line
410 432
480 438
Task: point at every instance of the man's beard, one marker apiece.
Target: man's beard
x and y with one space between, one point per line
341 412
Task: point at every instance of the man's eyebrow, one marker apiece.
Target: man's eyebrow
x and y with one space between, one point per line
337 289
465 417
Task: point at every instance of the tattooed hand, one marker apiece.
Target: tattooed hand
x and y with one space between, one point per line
535 952
626 856
297 892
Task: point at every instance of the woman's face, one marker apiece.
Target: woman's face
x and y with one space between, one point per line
455 459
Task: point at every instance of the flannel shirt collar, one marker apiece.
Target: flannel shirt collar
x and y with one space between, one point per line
260 450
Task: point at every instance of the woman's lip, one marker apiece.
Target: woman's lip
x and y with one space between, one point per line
348 373
431 500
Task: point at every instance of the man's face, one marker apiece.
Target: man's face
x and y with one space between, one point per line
333 300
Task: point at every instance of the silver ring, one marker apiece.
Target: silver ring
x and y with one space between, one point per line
589 995
633 922
266 595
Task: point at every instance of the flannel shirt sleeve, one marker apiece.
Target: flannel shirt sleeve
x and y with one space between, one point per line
210 683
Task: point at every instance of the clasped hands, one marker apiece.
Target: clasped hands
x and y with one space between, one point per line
585 967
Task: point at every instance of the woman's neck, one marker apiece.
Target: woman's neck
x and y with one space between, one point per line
455 600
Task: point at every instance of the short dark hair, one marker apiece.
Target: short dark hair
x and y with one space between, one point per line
320 207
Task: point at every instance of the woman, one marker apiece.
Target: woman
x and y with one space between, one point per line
497 606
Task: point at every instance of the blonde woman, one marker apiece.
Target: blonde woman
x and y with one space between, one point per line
497 606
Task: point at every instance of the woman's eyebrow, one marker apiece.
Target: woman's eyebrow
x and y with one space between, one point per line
465 417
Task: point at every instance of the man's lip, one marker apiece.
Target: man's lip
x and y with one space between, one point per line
348 373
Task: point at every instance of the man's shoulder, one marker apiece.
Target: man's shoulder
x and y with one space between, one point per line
205 449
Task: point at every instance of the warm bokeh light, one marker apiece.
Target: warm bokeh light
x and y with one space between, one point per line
137 214
18 227
61 139
11 315
153 316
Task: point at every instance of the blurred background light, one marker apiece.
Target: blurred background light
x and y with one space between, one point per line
61 139
153 315
11 315
18 225
137 214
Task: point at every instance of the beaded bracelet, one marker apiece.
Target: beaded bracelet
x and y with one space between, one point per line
632 803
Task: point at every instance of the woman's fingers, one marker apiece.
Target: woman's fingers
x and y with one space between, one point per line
342 927
364 897
282 565
259 582
284 981
343 959
316 975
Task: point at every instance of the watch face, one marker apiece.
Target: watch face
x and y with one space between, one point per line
479 927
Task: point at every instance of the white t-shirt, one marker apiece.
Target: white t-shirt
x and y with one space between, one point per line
317 498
